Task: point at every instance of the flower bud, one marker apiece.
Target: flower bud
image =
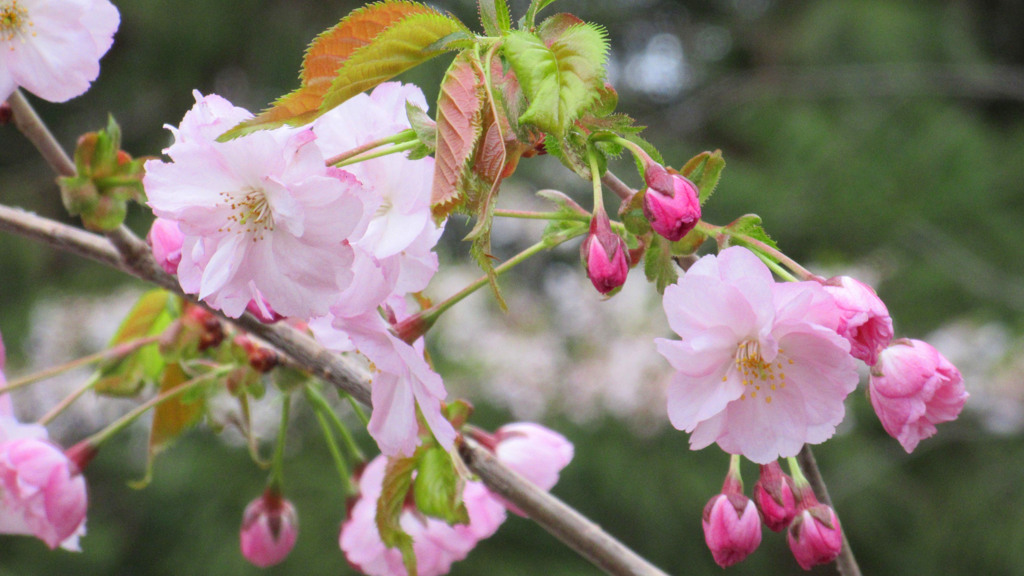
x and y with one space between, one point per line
43 492
864 319
605 254
912 388
732 528
773 495
671 202
165 240
815 536
269 529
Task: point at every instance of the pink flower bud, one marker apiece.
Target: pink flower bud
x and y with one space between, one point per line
864 319
165 239
605 254
42 493
815 536
534 452
259 308
773 494
269 529
671 203
732 528
912 388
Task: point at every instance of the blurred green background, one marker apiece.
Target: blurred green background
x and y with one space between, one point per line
881 136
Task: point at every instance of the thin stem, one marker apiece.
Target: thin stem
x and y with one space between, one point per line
779 270
32 126
360 413
339 460
595 179
386 151
403 136
526 215
119 351
319 403
124 421
277 469
65 403
799 270
846 563
617 186
431 314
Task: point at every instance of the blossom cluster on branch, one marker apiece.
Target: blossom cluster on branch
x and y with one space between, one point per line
321 214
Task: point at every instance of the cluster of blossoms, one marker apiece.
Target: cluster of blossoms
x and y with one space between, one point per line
270 524
764 367
266 224
261 223
42 491
533 451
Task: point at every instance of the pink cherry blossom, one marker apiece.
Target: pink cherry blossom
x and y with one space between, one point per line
912 388
43 493
865 320
270 527
397 222
436 544
536 453
402 380
815 536
732 528
52 48
261 215
760 369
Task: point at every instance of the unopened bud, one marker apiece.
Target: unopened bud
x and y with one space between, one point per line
605 254
815 536
671 202
270 527
773 495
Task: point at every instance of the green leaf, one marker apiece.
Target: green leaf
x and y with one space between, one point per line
632 215
495 17
571 151
565 204
438 487
360 35
748 227
394 490
150 316
561 79
460 107
705 170
422 124
658 264
535 7
406 44
171 418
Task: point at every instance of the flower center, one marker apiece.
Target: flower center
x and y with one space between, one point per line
13 19
759 378
250 213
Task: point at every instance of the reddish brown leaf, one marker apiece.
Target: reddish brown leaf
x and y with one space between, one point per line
459 117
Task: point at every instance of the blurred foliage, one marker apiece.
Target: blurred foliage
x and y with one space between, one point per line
838 129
